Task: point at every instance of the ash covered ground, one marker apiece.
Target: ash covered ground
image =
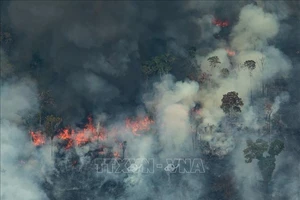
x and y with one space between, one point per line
87 85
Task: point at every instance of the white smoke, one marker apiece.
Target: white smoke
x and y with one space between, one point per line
254 28
250 38
22 165
172 102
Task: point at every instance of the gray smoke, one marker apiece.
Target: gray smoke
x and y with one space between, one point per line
22 166
89 55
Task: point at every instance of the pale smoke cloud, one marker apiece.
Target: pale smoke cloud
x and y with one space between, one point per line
287 183
175 127
21 170
172 102
220 144
253 29
250 38
247 175
17 98
282 98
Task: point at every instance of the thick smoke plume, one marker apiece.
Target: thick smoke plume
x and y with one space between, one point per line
83 65
22 167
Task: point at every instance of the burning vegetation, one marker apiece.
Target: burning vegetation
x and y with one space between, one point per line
38 138
221 23
91 134
140 124
197 102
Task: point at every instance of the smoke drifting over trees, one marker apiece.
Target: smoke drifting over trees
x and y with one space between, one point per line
216 80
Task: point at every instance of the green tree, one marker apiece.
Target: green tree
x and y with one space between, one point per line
231 103
148 68
250 64
266 163
159 64
255 150
276 147
213 61
164 63
45 100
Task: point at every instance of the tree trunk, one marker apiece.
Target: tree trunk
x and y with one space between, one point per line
123 153
51 148
250 89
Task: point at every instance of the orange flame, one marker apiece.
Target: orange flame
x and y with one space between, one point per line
230 52
139 125
81 138
65 134
220 23
37 138
117 154
69 144
88 134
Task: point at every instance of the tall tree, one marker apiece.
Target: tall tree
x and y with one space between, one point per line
266 163
51 125
231 103
148 69
45 100
164 63
263 85
251 65
214 61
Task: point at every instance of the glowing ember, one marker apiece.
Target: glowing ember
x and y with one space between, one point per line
70 144
139 125
65 134
81 138
37 138
230 52
220 23
116 154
